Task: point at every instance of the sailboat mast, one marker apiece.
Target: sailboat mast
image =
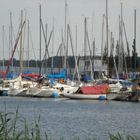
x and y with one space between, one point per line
107 34
93 65
28 45
76 41
21 46
121 50
11 38
3 32
52 62
85 46
102 40
72 48
65 21
45 58
65 34
135 39
40 38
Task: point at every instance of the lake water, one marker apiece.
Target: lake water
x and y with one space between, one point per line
82 119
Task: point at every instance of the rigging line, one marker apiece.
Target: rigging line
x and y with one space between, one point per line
46 43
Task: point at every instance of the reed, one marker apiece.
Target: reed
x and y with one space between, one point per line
14 127
119 136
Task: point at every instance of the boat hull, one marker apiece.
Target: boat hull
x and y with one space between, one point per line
38 92
85 97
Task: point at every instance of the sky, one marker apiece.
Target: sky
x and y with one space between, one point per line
53 14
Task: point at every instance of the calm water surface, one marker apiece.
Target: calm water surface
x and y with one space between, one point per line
77 118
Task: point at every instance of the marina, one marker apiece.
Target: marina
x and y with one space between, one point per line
58 87
69 69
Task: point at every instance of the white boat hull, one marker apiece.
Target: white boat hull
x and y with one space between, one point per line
17 92
84 96
39 92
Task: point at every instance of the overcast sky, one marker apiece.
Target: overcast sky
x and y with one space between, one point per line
53 11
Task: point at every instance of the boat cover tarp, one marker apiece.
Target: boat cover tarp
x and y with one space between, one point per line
17 79
97 89
31 75
61 75
9 76
2 72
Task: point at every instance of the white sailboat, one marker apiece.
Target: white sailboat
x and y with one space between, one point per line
51 91
18 86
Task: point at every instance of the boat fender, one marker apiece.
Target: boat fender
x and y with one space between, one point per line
62 88
52 82
102 98
4 93
62 81
55 94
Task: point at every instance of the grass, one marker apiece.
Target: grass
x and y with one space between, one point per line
13 127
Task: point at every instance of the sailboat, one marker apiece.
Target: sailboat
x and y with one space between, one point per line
98 92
